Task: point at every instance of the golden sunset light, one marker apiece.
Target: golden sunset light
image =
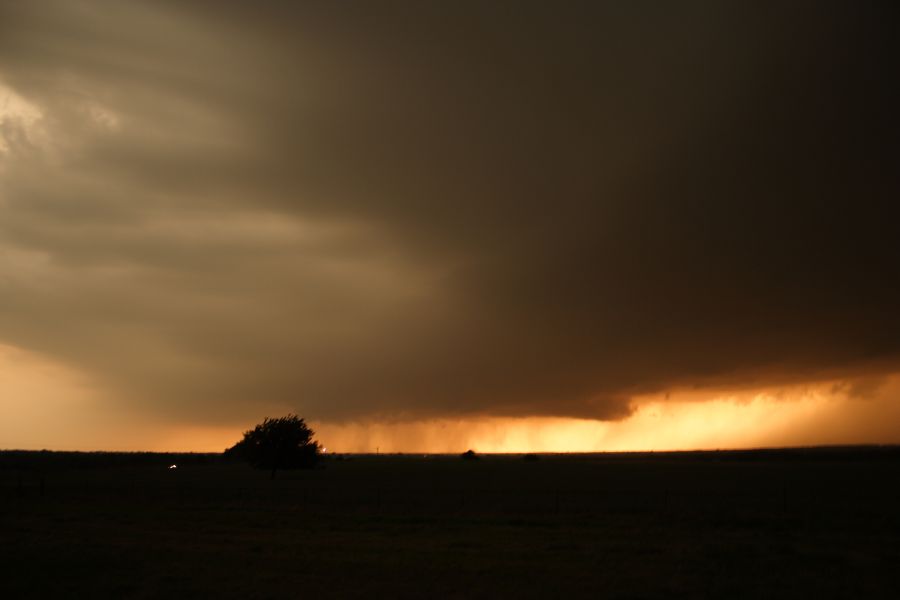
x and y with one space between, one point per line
449 299
71 414
419 249
824 414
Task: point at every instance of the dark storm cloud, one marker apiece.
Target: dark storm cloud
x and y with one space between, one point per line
416 209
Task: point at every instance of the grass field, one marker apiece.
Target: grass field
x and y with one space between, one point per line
815 523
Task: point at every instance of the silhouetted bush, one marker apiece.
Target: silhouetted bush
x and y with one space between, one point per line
283 443
469 455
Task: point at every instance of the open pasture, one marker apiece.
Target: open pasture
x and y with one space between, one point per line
813 523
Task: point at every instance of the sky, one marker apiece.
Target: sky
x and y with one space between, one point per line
428 226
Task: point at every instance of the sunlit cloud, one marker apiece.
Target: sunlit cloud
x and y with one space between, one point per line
821 413
19 120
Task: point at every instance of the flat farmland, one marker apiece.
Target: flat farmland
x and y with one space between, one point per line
776 524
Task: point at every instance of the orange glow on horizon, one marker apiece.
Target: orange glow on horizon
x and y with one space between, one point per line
47 405
801 416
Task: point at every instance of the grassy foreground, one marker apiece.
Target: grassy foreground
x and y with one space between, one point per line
816 523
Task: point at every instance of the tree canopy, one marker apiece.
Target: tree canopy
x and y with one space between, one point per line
282 443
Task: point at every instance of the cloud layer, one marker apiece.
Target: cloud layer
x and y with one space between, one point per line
427 210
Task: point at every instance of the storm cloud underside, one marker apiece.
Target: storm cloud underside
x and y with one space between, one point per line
421 210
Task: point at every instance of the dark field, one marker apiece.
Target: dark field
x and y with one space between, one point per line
812 523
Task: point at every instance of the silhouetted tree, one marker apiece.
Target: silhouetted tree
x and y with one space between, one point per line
283 443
